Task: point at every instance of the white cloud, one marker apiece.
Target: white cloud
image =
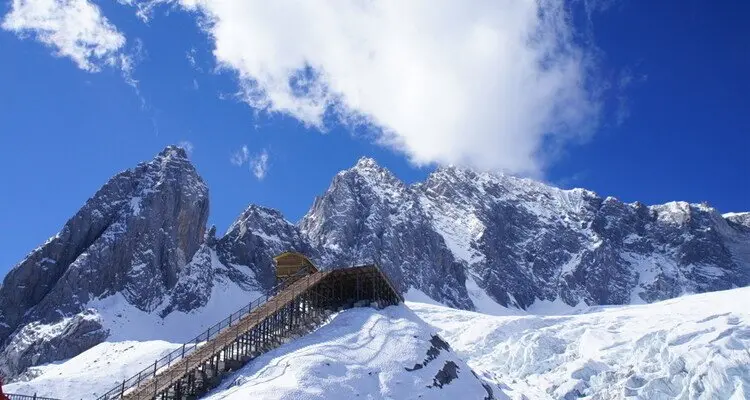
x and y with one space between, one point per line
259 165
240 157
73 28
486 84
145 9
191 56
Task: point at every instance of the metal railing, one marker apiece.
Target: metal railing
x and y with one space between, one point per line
13 396
189 347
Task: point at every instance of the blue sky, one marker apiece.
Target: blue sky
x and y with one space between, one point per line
655 100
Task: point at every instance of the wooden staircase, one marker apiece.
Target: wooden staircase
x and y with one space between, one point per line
294 310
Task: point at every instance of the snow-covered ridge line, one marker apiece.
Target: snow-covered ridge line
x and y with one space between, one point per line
473 240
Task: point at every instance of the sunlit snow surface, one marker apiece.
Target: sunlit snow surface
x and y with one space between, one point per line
93 372
360 354
693 347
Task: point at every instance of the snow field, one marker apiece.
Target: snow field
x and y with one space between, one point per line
93 372
693 347
360 354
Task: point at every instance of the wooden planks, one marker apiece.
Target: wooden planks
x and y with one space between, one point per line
164 379
291 310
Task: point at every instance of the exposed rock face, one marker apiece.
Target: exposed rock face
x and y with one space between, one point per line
132 237
367 215
37 343
742 219
522 241
256 237
531 241
142 237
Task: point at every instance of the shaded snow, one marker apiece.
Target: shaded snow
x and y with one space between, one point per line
555 307
126 322
416 295
482 301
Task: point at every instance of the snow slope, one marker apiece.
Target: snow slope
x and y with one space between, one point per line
93 372
361 353
692 347
125 322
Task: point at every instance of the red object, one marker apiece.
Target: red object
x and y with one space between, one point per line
2 395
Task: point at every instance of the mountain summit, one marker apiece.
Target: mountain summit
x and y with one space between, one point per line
136 262
131 237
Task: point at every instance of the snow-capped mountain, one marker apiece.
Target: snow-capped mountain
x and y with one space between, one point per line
138 263
367 214
463 235
132 237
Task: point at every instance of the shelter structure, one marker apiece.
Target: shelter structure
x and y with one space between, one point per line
304 298
290 264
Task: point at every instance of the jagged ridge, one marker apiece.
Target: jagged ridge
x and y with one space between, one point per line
138 251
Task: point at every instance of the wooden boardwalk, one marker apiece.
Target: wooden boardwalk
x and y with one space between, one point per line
293 311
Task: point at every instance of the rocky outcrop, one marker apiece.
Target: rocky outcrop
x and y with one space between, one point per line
521 241
132 237
738 219
258 235
367 215
458 235
37 343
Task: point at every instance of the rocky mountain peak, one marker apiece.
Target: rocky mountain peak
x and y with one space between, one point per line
464 238
742 218
131 237
259 234
367 163
173 152
367 172
255 216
